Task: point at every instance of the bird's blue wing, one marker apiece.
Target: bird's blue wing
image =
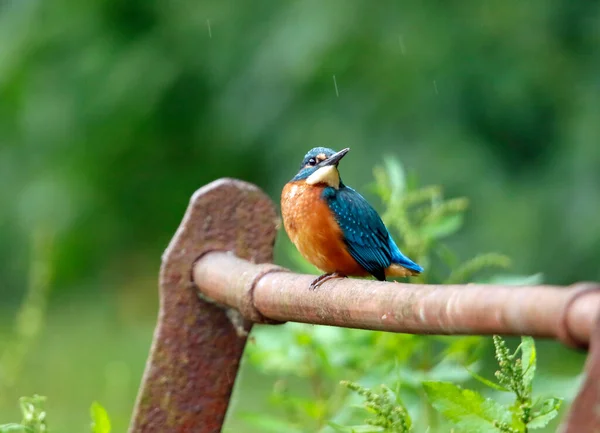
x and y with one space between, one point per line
365 234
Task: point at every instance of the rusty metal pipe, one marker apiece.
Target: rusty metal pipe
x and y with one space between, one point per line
564 313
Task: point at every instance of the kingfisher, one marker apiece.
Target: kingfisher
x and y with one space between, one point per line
334 227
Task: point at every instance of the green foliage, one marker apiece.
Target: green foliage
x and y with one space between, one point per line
470 412
310 361
389 413
34 417
423 220
100 420
516 374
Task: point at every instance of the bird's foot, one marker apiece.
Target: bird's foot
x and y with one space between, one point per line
325 277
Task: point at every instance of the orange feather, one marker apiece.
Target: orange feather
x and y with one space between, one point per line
311 226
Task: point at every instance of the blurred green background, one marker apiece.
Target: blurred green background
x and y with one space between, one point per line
112 113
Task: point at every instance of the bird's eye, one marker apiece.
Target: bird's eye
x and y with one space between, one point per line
312 161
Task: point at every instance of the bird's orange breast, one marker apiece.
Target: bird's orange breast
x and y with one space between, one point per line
311 226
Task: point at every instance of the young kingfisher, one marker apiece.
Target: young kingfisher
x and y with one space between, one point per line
334 227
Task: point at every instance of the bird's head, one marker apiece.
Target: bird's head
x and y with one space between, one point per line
319 166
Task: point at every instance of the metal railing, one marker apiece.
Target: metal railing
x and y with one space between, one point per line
217 279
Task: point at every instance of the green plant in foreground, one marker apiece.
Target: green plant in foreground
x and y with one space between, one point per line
34 418
467 410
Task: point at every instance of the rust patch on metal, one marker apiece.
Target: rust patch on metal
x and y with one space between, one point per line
196 349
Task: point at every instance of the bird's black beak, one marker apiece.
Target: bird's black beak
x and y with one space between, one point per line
335 158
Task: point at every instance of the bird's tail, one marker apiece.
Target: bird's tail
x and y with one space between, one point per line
401 265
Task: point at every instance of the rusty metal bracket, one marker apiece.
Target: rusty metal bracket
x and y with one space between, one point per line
196 348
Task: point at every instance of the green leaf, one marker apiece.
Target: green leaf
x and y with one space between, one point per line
443 227
487 382
338 427
100 420
542 420
14 428
528 360
547 413
468 410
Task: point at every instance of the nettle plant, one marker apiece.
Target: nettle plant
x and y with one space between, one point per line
343 380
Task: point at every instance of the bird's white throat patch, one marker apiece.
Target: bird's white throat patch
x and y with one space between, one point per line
328 175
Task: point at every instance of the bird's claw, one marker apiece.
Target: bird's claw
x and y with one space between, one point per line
322 278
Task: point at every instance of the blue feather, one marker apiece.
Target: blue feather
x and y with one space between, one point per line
365 235
401 259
